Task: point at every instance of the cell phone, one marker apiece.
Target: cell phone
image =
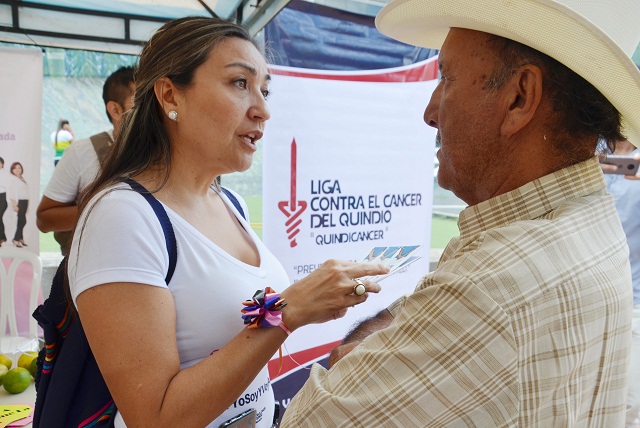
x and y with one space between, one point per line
246 419
626 165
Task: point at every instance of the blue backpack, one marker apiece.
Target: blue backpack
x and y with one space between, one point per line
70 390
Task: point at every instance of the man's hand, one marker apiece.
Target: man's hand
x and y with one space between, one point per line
340 351
358 334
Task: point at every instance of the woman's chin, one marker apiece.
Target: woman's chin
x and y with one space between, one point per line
246 163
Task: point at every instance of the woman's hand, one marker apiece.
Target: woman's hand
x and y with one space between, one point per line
328 292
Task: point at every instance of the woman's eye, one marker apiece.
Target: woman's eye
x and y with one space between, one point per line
266 93
241 83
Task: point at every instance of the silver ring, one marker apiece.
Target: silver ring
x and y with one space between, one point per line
359 289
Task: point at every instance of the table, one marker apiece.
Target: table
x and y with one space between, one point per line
26 397
13 347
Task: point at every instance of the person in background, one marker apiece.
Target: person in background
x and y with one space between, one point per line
19 197
3 200
526 321
61 138
179 354
626 191
79 166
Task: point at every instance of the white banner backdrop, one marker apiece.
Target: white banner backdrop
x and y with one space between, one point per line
20 122
348 166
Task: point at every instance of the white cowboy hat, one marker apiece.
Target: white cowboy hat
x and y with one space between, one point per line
594 38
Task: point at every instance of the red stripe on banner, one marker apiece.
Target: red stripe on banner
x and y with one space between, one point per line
301 358
428 70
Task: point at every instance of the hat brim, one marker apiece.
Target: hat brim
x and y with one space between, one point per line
544 25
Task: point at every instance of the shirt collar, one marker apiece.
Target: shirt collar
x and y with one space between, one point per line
533 199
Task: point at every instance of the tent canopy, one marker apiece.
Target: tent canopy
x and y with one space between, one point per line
122 26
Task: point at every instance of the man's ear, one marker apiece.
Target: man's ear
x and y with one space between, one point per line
524 99
115 111
166 94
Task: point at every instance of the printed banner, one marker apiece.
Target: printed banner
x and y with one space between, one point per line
348 174
20 122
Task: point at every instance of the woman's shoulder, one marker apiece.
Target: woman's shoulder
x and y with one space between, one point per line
237 201
65 135
119 199
120 208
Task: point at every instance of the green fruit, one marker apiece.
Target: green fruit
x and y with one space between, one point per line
33 368
3 371
25 359
16 380
5 361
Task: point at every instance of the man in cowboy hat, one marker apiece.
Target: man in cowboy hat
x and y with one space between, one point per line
527 319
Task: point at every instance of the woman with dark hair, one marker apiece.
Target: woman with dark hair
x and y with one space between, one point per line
179 354
19 196
61 138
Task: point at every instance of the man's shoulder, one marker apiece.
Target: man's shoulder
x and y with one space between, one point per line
85 146
79 143
77 168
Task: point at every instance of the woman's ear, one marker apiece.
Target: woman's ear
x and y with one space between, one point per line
166 94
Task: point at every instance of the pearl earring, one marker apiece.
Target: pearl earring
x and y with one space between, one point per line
173 115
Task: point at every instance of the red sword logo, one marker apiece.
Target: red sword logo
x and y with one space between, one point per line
293 208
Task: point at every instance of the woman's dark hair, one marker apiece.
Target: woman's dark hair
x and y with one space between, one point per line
175 51
62 123
582 113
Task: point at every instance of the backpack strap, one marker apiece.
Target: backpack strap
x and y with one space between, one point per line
101 143
79 396
234 201
165 222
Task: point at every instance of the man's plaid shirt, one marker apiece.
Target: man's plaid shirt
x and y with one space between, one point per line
526 322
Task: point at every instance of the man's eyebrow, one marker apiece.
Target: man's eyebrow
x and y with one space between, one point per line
247 67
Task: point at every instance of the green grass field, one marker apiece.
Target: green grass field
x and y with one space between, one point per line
442 228
48 244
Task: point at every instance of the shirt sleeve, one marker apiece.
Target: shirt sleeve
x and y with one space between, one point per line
447 359
395 307
64 185
64 135
12 190
120 240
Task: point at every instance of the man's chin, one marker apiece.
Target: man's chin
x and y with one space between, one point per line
442 180
445 183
